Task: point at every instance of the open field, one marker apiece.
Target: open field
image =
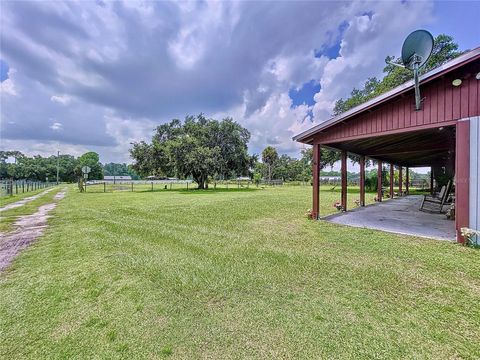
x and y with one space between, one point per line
8 199
9 216
233 274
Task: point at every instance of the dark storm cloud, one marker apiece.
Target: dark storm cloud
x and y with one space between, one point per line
103 73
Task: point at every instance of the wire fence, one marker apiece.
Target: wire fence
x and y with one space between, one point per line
157 185
15 187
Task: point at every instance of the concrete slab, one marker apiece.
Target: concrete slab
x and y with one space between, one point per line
401 216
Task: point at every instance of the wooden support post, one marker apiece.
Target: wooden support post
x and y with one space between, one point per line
362 180
379 180
344 180
431 180
392 180
400 180
316 181
462 177
104 186
407 179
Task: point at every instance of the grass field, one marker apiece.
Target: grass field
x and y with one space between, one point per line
9 216
8 199
233 274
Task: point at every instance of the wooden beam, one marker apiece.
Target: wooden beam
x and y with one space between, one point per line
400 180
379 180
407 179
431 180
392 179
362 180
390 132
316 181
344 180
412 151
462 177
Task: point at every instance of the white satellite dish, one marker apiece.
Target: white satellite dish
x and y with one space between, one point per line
416 51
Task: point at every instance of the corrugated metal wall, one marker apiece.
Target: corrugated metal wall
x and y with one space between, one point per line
474 197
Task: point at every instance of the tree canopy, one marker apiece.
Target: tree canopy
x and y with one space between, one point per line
269 158
444 49
200 148
15 165
119 169
92 160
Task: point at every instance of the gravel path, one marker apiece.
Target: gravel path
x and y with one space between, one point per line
24 201
28 229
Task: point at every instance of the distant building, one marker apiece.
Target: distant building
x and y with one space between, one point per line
117 178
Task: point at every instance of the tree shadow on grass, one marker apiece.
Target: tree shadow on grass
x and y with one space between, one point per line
215 191
195 191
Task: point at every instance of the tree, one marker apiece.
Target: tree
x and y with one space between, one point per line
200 148
92 160
257 178
269 157
444 49
119 170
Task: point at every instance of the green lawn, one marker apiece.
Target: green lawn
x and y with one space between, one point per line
8 217
8 199
233 274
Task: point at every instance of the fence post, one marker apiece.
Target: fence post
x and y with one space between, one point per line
104 187
152 185
132 186
23 187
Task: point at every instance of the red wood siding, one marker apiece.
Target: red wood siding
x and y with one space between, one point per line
442 103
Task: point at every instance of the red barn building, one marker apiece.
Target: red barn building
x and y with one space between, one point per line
444 134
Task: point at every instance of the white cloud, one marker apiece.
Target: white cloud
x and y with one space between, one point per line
56 126
124 67
7 86
61 99
364 46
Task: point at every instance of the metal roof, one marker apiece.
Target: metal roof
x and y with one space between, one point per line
409 85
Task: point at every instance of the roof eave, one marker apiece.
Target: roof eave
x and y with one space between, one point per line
449 66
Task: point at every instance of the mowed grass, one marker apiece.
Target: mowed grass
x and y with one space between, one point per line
231 275
8 217
8 199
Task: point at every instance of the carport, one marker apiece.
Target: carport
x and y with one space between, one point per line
389 130
401 216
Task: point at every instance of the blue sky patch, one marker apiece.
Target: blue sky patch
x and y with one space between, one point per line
3 70
305 94
333 51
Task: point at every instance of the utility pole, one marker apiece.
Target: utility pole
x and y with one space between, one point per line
58 164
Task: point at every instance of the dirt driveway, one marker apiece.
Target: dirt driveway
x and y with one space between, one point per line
27 229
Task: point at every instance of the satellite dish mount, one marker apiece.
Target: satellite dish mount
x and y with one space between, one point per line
416 50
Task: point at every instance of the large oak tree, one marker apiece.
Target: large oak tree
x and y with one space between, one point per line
198 147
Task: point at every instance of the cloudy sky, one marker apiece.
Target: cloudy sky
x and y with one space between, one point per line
79 76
